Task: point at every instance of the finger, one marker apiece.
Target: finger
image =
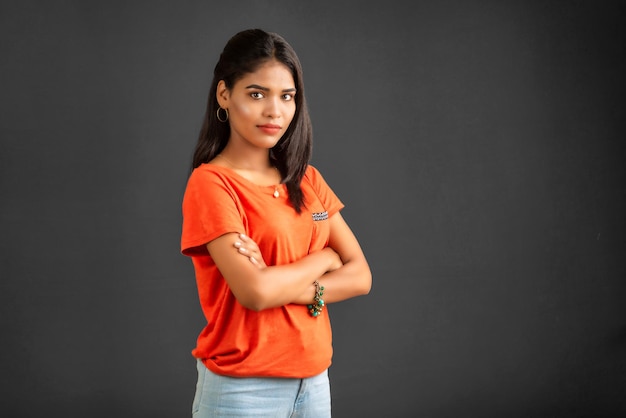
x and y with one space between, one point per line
258 263
242 248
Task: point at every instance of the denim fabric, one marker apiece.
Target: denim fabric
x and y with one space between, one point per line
223 396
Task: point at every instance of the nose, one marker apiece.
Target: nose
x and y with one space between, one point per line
272 108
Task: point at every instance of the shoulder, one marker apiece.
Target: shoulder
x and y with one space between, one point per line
209 179
312 174
315 179
209 173
318 185
207 170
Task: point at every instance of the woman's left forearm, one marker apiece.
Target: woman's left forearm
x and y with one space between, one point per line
352 279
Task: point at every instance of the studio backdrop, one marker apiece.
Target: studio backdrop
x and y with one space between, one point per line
478 147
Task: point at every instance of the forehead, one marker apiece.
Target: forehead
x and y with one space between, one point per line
271 74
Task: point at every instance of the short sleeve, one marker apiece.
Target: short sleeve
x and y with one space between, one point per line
325 194
210 210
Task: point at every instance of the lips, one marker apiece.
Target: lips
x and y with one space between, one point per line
269 128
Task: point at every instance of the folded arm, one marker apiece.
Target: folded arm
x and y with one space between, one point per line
259 287
351 278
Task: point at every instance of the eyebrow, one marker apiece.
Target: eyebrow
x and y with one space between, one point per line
256 86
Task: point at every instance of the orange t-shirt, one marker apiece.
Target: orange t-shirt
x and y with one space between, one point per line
280 342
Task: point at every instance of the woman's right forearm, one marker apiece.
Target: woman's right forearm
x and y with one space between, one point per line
280 285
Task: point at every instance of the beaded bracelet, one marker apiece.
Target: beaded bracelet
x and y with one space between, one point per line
318 303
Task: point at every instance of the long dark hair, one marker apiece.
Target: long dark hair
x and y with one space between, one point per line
243 54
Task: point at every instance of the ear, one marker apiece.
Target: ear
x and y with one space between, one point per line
222 94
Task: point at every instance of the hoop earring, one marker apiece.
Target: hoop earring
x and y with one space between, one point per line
218 114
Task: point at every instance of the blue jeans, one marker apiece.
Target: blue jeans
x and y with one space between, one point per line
223 396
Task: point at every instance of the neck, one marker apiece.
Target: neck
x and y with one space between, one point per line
258 171
250 161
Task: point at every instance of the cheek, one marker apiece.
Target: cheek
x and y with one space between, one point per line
242 109
290 113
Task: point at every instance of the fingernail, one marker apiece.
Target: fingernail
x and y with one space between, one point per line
237 244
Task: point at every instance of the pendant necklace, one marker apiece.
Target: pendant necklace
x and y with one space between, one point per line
276 193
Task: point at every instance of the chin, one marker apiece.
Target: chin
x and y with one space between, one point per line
269 144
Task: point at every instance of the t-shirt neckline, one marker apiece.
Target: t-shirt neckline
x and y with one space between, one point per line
241 178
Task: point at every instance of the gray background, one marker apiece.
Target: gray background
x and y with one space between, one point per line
478 146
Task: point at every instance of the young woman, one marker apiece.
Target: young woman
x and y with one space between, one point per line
268 244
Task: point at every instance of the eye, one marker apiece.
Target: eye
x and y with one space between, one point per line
256 95
288 96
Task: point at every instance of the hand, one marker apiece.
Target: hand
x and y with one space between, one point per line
248 248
